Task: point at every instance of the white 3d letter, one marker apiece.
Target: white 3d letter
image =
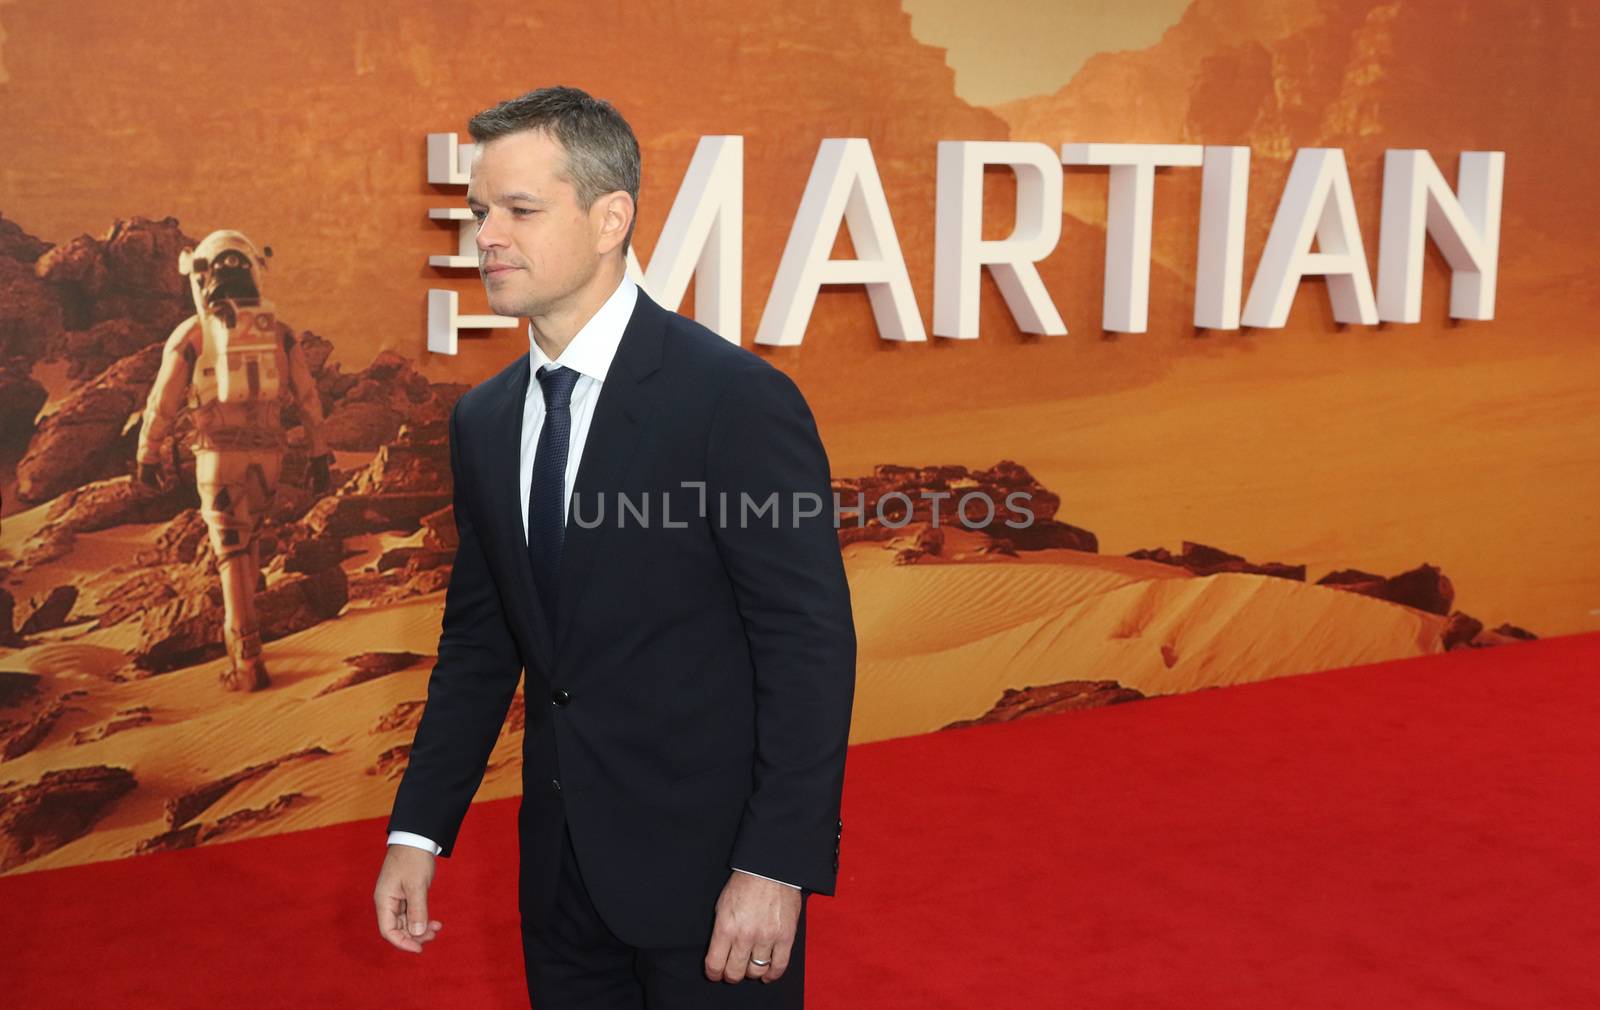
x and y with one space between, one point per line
1219 264
1316 205
960 253
1129 209
449 164
844 186
703 238
1466 225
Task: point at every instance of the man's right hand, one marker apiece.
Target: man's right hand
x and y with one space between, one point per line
402 898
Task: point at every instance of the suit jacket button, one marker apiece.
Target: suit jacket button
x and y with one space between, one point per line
555 784
560 697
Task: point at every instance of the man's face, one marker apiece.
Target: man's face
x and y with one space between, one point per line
536 245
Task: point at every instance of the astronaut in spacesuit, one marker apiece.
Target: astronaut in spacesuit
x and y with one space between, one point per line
230 363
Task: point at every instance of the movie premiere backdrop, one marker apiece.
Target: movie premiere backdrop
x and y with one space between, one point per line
1281 312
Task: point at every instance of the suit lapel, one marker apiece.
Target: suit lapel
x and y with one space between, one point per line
608 453
506 429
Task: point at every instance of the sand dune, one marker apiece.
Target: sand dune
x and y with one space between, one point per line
1088 617
927 609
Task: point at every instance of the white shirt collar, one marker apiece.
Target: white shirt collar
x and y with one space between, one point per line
593 346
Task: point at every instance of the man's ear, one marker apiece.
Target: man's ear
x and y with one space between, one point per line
616 217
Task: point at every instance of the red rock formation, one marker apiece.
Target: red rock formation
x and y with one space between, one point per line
1044 535
31 314
1048 699
1512 631
999 545
372 405
1463 631
439 529
34 732
252 815
50 610
883 513
1459 631
196 834
391 764
170 841
183 808
62 806
180 541
404 716
130 273
309 552
90 351
370 666
157 587
188 630
17 687
1205 560
346 515
371 589
18 245
413 559
930 540
1424 587
84 439
113 501
128 718
8 632
996 483
408 478
20 401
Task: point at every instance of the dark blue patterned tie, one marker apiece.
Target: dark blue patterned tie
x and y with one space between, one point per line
547 525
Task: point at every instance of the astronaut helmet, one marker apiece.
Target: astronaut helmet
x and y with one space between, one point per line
224 266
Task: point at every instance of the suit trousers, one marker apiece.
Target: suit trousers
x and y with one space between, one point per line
575 962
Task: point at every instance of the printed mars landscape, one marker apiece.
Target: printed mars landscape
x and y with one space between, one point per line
118 738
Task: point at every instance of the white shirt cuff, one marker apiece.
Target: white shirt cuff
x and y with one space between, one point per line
407 838
785 883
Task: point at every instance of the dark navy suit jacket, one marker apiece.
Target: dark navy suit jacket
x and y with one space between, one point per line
689 710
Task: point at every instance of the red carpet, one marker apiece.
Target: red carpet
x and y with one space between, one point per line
1404 835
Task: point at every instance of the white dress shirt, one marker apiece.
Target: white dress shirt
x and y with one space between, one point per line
590 353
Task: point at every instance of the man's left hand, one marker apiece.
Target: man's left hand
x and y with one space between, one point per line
755 918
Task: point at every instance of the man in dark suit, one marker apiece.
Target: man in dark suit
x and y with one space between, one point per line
647 530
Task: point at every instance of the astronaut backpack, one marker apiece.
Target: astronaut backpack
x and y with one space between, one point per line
238 363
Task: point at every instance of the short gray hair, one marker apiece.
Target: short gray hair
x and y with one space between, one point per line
602 152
